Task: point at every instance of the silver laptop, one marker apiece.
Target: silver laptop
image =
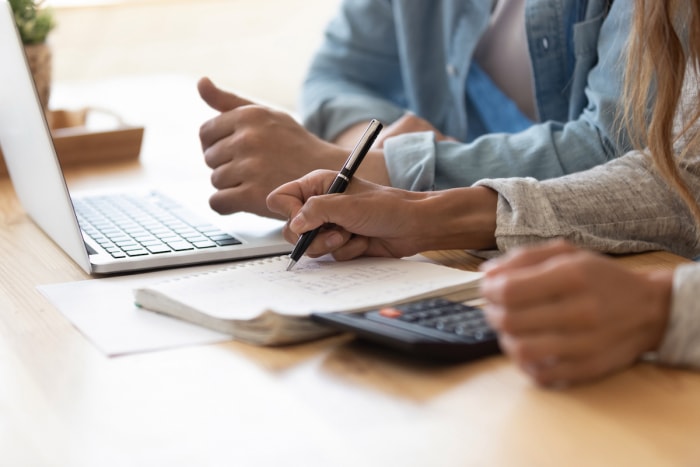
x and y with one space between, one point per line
125 241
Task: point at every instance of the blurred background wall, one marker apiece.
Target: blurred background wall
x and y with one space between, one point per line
260 48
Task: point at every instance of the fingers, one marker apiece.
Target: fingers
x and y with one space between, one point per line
573 315
313 214
556 312
557 362
352 247
239 198
288 198
225 201
527 256
239 127
218 99
287 201
328 240
302 202
218 152
543 282
550 360
334 240
221 126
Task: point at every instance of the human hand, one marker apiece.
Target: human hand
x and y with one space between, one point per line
374 220
410 123
567 315
253 149
366 220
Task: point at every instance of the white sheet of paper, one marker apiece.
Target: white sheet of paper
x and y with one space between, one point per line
103 310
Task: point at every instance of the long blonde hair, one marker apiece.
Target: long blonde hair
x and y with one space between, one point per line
664 42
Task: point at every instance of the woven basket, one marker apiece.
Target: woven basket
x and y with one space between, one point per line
39 58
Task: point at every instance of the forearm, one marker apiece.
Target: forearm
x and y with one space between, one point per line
333 156
349 137
621 207
330 107
419 162
460 218
373 168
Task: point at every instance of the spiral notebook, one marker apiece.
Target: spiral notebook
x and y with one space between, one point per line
260 302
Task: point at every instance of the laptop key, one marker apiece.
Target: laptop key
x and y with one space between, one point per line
139 252
204 244
228 241
180 246
158 249
136 226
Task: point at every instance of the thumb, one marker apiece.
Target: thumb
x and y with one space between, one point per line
218 99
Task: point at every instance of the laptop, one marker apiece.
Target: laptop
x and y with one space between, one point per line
71 220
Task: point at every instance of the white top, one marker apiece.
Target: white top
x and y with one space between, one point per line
503 54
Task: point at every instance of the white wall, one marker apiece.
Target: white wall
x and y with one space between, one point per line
258 47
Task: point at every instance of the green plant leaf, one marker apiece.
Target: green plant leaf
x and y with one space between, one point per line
33 20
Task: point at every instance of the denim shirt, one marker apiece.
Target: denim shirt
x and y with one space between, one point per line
382 58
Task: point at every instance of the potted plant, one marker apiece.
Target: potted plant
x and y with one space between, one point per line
34 23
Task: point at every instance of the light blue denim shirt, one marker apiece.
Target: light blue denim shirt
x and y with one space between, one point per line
381 58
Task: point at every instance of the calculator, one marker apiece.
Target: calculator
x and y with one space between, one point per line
434 328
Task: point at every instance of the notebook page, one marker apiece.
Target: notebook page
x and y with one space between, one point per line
244 291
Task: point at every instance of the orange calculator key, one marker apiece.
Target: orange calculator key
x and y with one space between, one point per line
390 312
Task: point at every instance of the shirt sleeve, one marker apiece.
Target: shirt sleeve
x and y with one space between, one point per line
623 206
356 74
545 150
681 342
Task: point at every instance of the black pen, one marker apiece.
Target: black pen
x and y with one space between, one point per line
339 184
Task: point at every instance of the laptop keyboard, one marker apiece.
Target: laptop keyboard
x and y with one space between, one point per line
133 225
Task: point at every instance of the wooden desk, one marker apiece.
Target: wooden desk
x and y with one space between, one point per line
328 403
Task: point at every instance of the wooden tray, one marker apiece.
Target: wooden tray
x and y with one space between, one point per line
77 144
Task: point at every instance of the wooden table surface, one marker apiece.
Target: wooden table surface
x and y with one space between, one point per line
327 403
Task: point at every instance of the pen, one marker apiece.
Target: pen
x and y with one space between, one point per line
339 184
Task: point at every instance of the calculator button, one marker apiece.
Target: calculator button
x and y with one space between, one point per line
438 318
433 328
390 312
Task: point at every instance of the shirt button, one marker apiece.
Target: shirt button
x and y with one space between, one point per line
545 43
451 70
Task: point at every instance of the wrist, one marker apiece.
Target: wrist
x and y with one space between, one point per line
349 136
459 218
660 287
373 168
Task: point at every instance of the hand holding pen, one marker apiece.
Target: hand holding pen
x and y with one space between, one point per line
339 184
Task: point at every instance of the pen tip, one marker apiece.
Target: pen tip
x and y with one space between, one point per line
291 264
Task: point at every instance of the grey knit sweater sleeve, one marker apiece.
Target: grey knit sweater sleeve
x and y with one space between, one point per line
620 207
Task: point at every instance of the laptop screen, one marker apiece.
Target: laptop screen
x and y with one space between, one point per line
28 148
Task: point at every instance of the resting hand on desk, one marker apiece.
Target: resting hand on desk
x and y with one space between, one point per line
567 315
374 220
253 149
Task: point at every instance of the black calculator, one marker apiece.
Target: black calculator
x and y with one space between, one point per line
435 328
